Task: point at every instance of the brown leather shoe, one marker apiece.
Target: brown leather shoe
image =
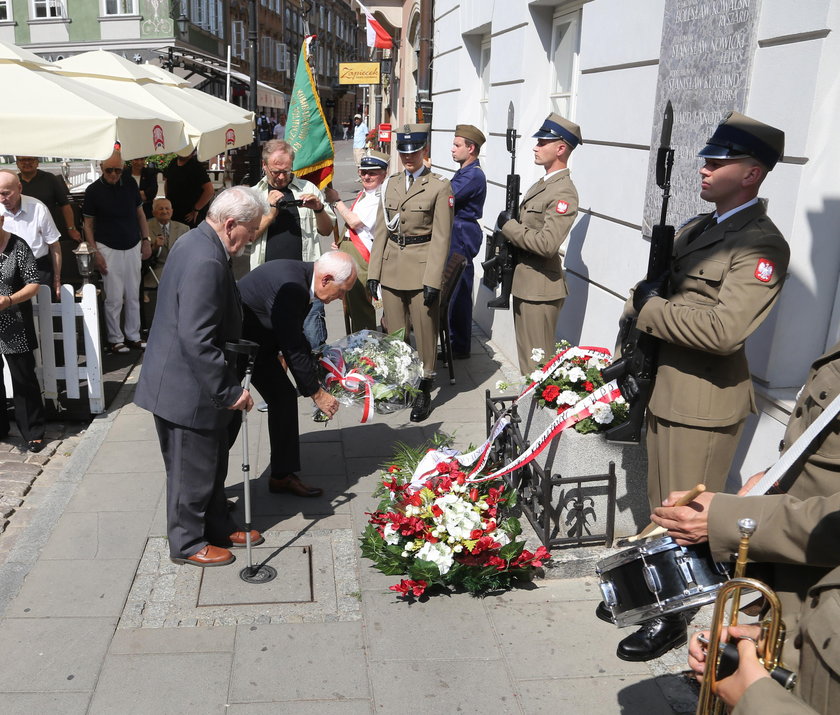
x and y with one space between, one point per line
209 556
239 538
292 484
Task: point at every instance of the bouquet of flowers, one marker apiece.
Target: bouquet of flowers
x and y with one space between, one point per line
380 372
573 376
442 531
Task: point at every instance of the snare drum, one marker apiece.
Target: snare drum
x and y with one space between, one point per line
657 578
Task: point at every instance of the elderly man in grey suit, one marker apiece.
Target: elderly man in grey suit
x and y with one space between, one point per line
189 386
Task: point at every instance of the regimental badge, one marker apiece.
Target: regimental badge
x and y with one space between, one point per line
562 207
451 201
157 137
764 270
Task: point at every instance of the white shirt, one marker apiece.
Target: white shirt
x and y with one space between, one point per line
365 207
725 216
33 223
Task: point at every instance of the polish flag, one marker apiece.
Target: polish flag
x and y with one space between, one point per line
376 34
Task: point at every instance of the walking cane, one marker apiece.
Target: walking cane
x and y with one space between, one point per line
260 573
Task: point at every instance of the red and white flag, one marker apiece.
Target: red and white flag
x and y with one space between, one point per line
376 34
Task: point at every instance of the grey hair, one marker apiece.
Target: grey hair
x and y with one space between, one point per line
338 264
241 203
274 145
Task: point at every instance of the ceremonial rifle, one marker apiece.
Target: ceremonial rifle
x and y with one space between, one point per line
500 258
635 370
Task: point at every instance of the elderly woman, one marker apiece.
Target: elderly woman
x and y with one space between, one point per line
18 284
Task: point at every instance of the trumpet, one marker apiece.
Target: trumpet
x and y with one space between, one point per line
722 658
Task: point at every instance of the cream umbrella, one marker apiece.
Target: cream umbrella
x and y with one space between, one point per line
46 114
212 125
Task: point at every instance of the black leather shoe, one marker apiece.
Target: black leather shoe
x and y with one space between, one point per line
422 406
655 638
604 613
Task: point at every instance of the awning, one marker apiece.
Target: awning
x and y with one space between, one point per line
212 68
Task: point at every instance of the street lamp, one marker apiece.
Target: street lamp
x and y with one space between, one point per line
183 23
84 260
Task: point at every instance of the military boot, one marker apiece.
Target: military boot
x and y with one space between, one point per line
422 406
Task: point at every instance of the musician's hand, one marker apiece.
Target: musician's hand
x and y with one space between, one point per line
504 217
430 295
750 483
687 524
750 669
697 654
645 290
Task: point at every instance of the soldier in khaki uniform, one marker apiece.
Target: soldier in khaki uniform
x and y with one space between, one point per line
726 273
410 246
546 215
792 528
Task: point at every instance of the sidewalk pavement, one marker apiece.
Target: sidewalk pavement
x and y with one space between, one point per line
94 618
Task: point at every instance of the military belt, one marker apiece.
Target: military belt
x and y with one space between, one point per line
404 241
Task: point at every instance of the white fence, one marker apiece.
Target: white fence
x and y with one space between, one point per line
74 315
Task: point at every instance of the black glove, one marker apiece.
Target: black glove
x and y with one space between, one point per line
645 290
629 388
373 288
624 326
430 295
504 217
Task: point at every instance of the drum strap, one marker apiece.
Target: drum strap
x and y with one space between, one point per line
779 478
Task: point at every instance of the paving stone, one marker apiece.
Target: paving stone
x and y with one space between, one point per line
102 535
162 683
594 695
297 651
17 467
29 703
87 588
13 489
109 491
41 654
304 707
444 686
459 621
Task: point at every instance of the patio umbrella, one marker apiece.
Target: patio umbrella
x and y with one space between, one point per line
52 115
211 124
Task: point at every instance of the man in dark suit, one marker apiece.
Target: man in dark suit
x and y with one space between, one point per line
276 297
187 383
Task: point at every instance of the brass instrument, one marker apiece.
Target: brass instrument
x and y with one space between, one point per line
722 658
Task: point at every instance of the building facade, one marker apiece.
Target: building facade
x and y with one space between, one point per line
609 65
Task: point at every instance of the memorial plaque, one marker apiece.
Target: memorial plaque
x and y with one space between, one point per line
705 64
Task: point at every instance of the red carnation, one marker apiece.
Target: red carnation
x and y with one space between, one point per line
550 393
588 386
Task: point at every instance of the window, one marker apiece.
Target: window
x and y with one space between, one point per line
484 78
237 39
119 7
565 50
5 10
42 9
281 56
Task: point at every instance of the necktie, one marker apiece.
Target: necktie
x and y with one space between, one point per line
702 227
410 180
166 231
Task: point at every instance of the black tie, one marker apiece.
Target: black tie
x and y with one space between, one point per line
702 227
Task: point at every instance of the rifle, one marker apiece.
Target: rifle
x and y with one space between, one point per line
500 258
635 370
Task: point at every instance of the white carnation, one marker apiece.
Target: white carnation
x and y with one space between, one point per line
568 397
537 354
536 376
575 374
602 413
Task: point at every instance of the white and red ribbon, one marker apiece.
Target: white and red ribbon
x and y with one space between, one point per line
353 380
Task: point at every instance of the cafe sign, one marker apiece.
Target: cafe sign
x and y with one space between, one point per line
358 73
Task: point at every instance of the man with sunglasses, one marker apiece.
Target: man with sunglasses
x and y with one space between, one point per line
292 229
116 228
546 216
359 219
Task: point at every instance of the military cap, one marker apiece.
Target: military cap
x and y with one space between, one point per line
557 127
468 131
739 136
412 137
375 160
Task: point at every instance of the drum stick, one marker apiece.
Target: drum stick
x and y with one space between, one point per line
652 529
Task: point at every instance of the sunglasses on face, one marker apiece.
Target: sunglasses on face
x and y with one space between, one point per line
113 171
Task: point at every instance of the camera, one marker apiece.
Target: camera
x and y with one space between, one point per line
287 204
